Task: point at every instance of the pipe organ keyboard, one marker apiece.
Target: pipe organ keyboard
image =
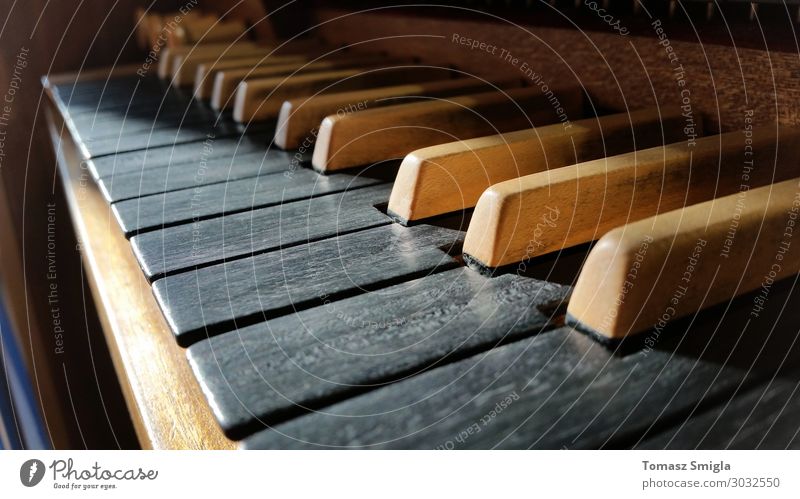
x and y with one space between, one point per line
360 249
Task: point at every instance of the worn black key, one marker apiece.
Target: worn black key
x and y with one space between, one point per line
88 116
189 175
225 148
163 137
95 88
560 389
270 371
204 201
122 103
215 299
764 417
208 241
89 128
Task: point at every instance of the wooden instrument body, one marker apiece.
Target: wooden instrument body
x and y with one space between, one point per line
618 72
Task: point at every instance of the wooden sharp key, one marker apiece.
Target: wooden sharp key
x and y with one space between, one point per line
659 269
207 71
206 29
261 99
226 81
394 131
184 66
168 55
519 219
451 177
300 117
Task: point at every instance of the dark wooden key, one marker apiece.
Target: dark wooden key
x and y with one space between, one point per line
224 148
164 137
89 115
762 417
190 175
561 389
138 102
345 347
209 241
90 127
108 95
214 299
94 88
64 90
205 201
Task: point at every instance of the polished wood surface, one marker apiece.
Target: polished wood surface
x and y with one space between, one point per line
167 57
653 271
299 117
207 71
227 80
165 402
520 219
451 177
261 99
184 65
347 140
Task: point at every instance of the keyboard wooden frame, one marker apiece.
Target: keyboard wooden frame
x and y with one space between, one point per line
165 402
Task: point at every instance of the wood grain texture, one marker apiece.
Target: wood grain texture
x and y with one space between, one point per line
167 56
223 86
451 177
519 219
222 149
763 417
165 402
381 337
693 258
561 390
299 118
207 71
189 175
184 66
208 241
392 132
277 184
206 29
214 299
261 99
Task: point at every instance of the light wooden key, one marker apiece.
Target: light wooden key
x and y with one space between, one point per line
519 219
645 275
154 27
299 118
227 80
392 132
166 58
207 71
451 177
206 29
261 99
184 68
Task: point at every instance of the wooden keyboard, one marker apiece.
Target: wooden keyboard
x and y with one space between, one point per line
297 247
